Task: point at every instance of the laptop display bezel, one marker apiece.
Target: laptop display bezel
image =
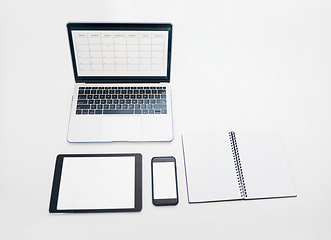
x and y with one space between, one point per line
120 26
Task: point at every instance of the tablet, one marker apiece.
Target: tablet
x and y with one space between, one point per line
97 183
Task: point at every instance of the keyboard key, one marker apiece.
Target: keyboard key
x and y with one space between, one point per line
163 101
78 111
81 101
160 106
79 106
81 96
118 111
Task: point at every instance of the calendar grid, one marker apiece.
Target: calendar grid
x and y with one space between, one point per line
120 52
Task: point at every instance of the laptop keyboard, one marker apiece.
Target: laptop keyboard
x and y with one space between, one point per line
121 100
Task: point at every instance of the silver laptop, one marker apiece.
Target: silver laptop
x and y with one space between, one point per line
122 74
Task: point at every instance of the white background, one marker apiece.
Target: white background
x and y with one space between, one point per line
265 65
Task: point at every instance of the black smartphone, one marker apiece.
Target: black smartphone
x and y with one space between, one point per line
164 181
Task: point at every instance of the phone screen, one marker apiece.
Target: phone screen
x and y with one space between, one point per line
164 181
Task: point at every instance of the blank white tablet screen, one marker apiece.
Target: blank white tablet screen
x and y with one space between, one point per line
97 183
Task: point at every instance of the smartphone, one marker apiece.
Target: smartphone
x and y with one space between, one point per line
164 181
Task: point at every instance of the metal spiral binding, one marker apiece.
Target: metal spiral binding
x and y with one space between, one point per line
237 162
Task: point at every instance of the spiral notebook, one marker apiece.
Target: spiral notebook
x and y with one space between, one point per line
235 166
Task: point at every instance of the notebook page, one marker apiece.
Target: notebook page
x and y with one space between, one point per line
210 169
265 169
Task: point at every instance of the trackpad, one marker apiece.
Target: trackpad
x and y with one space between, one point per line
116 128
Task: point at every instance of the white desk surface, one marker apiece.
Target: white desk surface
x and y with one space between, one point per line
263 64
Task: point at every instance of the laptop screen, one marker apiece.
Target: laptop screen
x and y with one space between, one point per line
106 52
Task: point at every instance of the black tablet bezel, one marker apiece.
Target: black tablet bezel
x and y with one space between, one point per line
57 183
120 26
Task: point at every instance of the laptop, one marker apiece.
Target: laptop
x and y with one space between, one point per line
122 74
